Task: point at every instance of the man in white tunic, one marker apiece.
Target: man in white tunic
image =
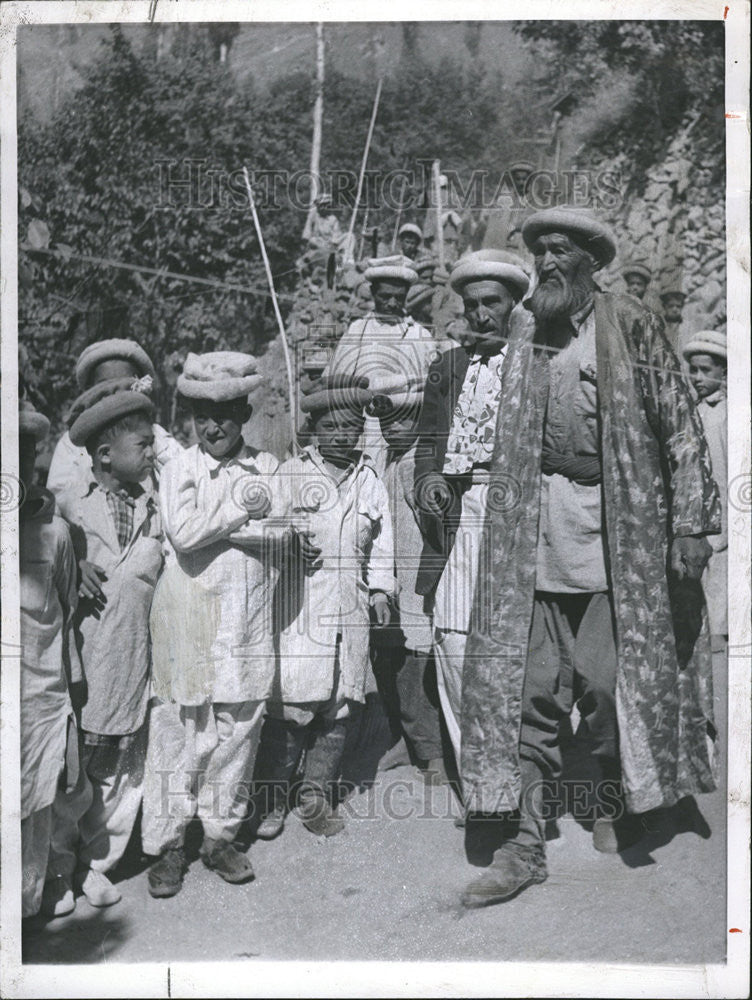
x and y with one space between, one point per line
211 628
454 454
386 346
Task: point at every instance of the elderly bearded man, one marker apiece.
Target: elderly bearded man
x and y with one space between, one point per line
452 463
590 592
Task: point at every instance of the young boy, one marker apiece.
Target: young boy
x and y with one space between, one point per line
402 655
99 362
342 562
117 537
49 746
705 355
211 627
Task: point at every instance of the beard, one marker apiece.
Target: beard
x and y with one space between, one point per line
556 298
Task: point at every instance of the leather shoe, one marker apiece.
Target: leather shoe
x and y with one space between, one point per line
513 869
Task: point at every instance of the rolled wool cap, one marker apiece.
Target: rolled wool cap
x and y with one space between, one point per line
417 295
410 227
394 268
490 265
111 350
104 403
636 267
219 376
31 421
707 342
580 223
337 392
672 294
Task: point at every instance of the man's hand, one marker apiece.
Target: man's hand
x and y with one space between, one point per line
380 605
91 577
689 556
432 494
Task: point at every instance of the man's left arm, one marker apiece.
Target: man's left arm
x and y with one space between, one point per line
694 501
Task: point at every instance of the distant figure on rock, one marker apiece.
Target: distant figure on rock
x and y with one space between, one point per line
673 304
410 238
637 276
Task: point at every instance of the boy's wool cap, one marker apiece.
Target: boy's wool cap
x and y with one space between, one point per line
395 392
637 267
111 350
490 265
336 393
219 376
425 265
394 268
31 421
103 404
410 227
579 223
707 342
673 293
417 295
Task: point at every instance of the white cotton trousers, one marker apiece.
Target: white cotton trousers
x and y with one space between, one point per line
200 763
91 825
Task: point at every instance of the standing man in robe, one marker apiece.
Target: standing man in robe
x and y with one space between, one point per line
386 346
589 573
452 466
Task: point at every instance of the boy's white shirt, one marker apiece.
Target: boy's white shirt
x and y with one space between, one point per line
349 520
211 618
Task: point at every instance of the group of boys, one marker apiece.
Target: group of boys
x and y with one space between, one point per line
198 622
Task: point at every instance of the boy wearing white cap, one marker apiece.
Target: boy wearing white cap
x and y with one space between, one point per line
410 238
211 627
342 564
117 537
49 663
100 361
705 355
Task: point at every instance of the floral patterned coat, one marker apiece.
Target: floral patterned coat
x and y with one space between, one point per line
657 485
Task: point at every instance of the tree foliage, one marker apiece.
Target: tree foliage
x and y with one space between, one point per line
106 178
674 71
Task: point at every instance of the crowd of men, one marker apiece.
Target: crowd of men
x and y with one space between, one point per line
501 526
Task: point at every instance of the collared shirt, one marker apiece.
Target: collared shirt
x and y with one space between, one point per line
471 436
113 639
211 615
570 536
122 506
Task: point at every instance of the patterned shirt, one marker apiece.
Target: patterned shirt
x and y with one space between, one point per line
471 436
122 505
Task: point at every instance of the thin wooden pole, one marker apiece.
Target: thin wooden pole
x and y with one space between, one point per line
399 213
277 313
350 231
318 116
439 213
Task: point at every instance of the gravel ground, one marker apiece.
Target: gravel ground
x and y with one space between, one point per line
388 888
